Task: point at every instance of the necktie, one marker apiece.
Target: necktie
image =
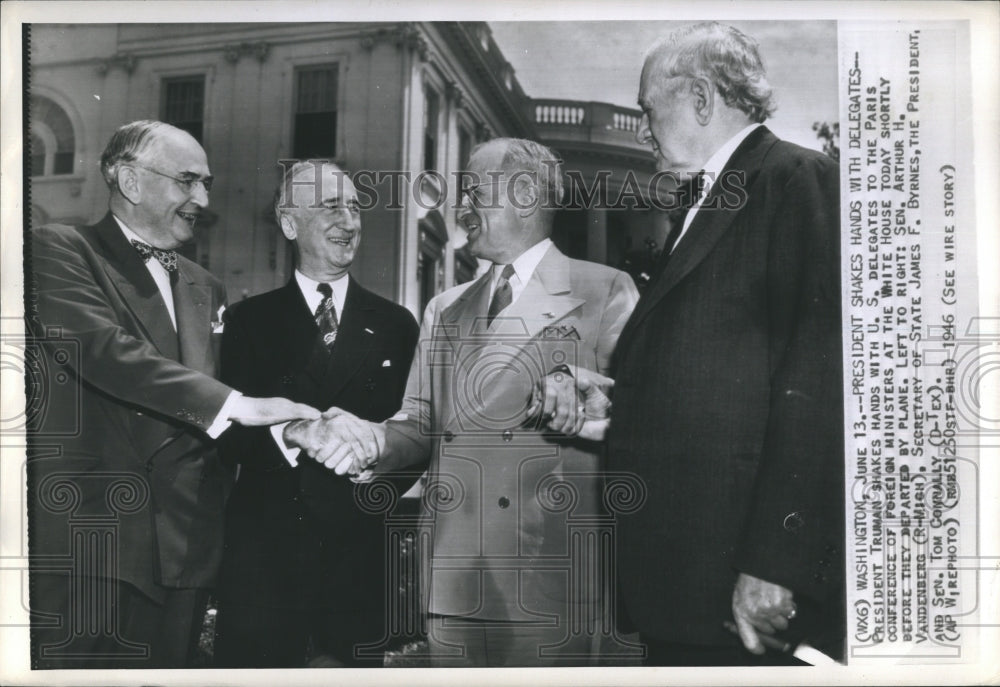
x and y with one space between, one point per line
167 258
686 195
326 316
502 296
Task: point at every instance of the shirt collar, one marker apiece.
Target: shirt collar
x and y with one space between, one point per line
715 164
129 234
313 297
525 263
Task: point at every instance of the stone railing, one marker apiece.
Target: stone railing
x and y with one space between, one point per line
584 121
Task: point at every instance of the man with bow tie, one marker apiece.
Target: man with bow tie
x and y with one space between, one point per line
505 487
304 572
129 326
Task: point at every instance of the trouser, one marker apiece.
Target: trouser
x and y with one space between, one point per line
253 636
673 654
131 631
473 642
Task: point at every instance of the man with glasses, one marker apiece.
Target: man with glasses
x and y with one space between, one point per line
129 329
509 476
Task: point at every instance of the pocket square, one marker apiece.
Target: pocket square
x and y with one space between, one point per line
218 322
386 363
560 331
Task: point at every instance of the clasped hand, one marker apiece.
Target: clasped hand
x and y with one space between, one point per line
575 404
339 440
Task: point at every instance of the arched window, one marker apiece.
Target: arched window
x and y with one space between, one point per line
53 143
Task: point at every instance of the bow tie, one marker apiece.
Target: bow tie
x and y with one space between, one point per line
167 258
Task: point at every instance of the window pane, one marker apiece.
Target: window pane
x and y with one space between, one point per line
317 89
62 163
50 117
431 122
315 133
184 104
37 156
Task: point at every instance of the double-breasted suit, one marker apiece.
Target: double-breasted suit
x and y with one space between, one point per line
728 404
302 558
127 401
502 493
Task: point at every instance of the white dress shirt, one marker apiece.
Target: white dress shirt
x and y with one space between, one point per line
710 174
162 278
157 271
313 299
524 266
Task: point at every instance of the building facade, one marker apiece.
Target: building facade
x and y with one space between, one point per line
401 104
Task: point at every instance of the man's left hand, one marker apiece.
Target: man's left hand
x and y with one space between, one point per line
574 404
558 402
760 606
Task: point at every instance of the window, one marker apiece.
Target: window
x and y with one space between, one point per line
183 104
432 107
464 147
465 265
53 143
430 258
315 133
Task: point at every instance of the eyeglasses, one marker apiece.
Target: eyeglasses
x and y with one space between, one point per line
471 190
187 183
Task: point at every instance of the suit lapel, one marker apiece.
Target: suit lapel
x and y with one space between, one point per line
136 286
545 301
708 227
193 309
355 335
465 319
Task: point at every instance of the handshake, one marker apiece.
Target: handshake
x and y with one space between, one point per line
574 403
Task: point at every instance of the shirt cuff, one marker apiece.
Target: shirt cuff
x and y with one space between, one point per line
222 421
290 454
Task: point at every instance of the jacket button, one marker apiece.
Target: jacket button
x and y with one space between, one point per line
503 502
448 436
507 435
823 563
793 522
819 577
370 384
286 379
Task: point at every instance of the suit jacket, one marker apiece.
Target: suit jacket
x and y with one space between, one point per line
501 493
296 538
728 402
123 435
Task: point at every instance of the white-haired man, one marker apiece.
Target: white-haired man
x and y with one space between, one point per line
728 375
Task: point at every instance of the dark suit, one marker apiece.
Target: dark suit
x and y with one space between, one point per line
728 404
122 450
301 557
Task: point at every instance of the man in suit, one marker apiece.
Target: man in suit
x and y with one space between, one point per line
126 492
504 490
304 563
728 397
